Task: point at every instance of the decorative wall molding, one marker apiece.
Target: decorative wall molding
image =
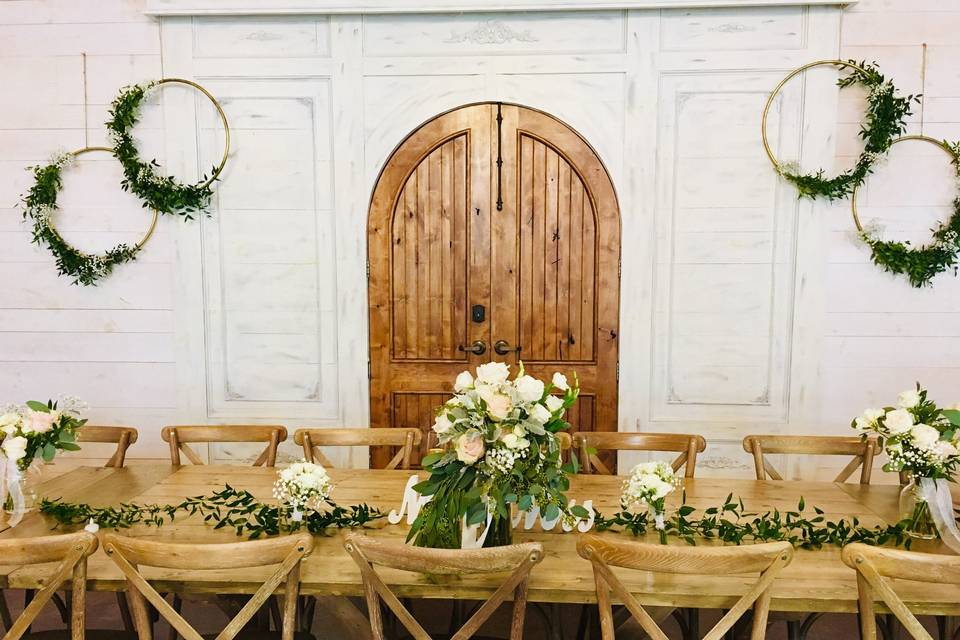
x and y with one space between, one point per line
286 7
491 32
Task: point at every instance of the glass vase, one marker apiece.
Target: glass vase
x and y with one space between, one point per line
915 515
29 485
500 533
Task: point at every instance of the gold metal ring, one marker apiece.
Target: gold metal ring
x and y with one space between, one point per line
923 138
776 90
143 240
223 119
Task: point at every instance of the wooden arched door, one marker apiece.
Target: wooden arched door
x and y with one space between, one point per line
493 224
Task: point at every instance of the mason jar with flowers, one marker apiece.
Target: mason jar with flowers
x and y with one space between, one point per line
33 432
499 452
922 441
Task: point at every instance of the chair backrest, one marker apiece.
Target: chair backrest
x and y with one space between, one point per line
71 551
408 439
767 559
178 436
863 452
590 442
518 559
123 437
874 564
131 553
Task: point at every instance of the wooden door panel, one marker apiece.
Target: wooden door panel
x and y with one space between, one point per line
558 239
429 256
507 208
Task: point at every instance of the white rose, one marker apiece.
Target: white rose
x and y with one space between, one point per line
924 436
528 388
463 382
493 373
898 421
442 424
945 449
14 448
872 415
553 403
909 399
540 414
513 441
660 488
9 420
560 381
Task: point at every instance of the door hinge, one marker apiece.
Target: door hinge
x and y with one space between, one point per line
618 371
368 269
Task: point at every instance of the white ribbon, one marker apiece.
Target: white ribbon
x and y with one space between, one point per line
658 520
937 495
11 481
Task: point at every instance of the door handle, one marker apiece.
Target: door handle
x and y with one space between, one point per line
502 347
479 347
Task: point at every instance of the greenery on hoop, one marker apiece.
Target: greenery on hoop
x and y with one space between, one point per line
163 193
732 524
921 264
228 507
40 203
884 121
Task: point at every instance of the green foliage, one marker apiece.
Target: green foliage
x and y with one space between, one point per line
163 193
733 524
40 203
228 507
885 119
921 264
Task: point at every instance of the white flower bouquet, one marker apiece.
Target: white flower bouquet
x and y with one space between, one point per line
500 449
302 486
650 483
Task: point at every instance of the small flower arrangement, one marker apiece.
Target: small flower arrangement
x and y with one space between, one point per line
918 436
302 486
650 483
39 429
500 449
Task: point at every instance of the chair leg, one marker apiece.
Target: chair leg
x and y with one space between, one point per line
807 623
5 612
793 630
178 607
125 612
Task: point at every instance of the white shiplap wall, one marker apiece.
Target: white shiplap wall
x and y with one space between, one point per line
115 345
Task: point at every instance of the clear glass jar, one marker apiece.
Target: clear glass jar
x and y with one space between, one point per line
915 515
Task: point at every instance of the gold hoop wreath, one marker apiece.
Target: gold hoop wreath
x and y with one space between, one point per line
885 120
162 193
919 264
40 204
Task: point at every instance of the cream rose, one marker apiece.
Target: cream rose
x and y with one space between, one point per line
14 448
560 381
529 389
898 421
39 421
499 406
924 436
493 373
540 414
909 399
463 382
442 424
470 447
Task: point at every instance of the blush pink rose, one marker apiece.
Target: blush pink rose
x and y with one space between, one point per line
39 421
470 447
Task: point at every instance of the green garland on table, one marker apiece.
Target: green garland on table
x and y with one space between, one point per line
163 193
921 264
732 524
228 507
885 119
40 204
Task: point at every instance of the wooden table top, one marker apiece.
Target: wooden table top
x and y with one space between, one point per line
815 581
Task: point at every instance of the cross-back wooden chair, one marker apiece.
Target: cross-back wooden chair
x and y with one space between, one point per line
129 554
71 551
408 439
123 437
603 552
180 435
589 443
863 452
875 564
518 559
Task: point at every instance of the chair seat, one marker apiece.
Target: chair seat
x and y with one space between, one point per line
89 634
257 634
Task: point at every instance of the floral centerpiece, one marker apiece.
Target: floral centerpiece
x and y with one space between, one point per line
650 483
36 429
922 440
500 450
303 486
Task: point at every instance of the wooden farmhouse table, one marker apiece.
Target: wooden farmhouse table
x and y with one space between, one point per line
817 580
